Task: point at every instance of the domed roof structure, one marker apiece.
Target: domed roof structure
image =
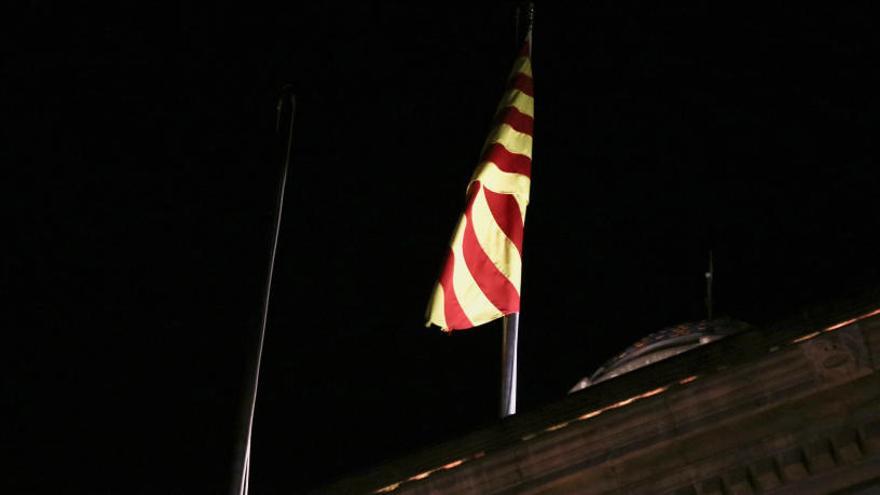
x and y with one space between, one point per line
661 345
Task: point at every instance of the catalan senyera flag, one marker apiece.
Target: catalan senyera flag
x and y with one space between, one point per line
480 280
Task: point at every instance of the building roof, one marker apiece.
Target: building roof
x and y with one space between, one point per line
685 422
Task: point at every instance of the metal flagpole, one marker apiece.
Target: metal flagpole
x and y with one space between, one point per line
510 339
241 482
508 364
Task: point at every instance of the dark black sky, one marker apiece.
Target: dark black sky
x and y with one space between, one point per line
139 153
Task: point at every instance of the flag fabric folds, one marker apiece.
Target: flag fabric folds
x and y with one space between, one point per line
480 280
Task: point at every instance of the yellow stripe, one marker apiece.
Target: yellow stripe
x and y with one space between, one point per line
437 308
519 100
513 140
497 180
494 241
473 302
523 65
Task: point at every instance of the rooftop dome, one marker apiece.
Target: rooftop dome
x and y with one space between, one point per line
661 345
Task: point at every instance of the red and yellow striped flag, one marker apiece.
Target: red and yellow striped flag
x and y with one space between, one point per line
480 280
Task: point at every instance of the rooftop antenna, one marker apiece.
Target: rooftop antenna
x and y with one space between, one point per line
710 275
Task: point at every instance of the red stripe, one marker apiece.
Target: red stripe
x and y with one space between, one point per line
505 209
498 289
523 83
455 317
524 51
518 120
509 162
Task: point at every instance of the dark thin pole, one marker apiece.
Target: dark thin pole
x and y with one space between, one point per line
242 479
710 276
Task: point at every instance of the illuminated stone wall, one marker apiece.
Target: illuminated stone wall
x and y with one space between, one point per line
793 409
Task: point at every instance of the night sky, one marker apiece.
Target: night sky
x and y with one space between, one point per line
141 163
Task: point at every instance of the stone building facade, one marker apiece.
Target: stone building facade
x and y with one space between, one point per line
789 409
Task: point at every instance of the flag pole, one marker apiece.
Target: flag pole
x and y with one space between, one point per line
241 481
510 338
508 364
